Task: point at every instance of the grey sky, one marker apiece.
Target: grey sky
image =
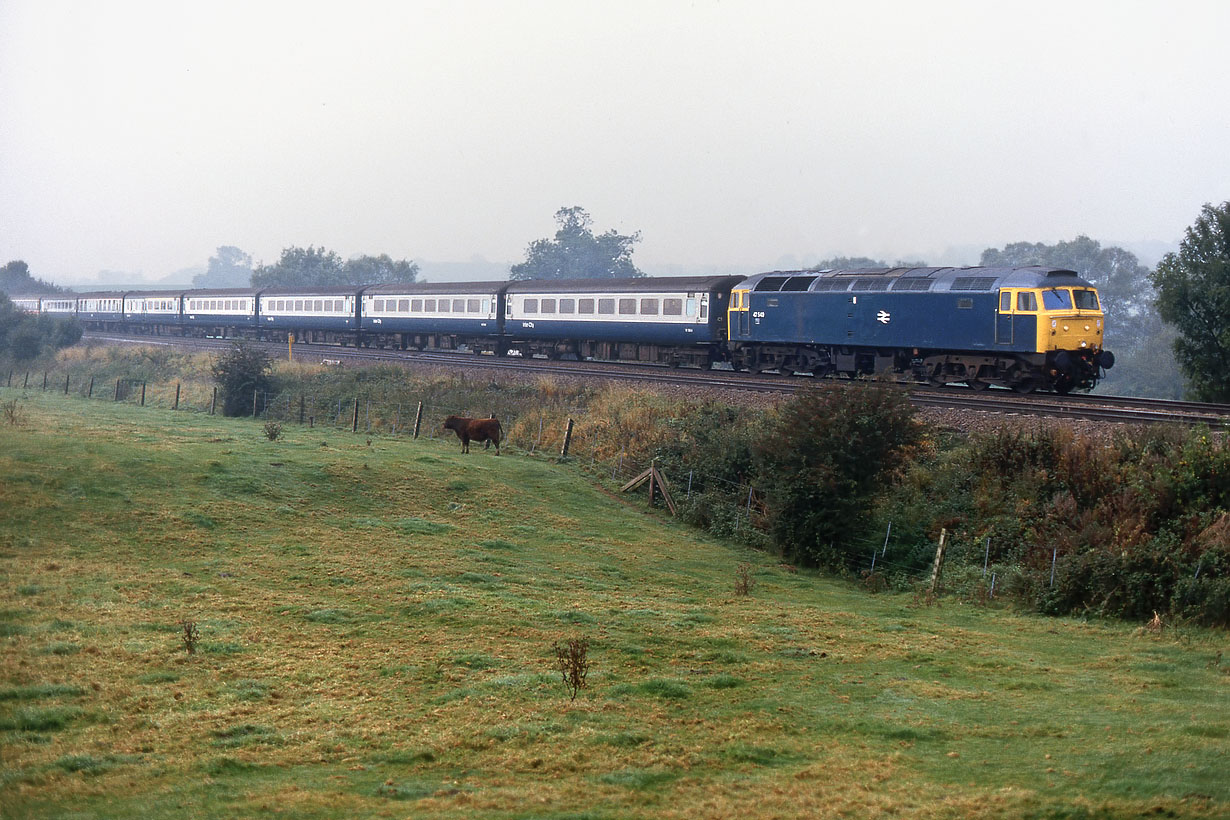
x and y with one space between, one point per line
139 136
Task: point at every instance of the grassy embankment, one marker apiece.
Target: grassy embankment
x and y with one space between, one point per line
375 629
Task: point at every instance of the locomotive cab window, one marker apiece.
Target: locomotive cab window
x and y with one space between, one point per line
1026 301
1005 301
1057 299
1085 299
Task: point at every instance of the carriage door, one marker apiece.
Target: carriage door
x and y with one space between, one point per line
1003 319
740 323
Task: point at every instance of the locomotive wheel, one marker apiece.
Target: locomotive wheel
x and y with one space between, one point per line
978 384
1025 386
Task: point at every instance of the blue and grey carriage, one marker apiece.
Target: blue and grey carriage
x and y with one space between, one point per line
1024 328
220 312
324 315
439 316
153 311
102 310
666 320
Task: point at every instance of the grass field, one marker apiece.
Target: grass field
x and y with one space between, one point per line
375 625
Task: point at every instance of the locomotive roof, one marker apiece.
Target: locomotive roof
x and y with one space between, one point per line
967 279
485 288
641 284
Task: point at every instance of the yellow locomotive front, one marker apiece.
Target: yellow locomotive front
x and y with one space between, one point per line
1069 332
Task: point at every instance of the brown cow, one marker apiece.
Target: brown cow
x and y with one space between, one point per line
485 430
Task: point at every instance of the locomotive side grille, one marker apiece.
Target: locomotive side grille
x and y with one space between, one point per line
912 283
973 283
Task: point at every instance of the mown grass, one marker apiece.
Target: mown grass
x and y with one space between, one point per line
375 629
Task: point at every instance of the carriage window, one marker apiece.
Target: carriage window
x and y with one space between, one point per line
672 307
1005 301
529 306
243 304
320 306
459 306
606 305
627 307
471 306
378 305
548 305
403 305
339 305
567 305
486 306
585 306
416 305
1026 301
691 307
444 304
298 305
1057 299
429 305
649 307
965 304
1086 299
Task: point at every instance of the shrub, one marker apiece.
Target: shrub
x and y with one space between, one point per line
242 373
821 461
572 661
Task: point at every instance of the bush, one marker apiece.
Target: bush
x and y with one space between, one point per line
822 460
242 373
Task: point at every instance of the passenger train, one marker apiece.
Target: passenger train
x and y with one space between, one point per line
1024 328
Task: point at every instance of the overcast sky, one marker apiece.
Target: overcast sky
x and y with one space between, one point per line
140 136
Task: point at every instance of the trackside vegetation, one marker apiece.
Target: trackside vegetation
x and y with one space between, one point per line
375 625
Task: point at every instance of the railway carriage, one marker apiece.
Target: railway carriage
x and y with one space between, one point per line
154 311
325 315
220 312
443 316
26 304
61 305
1017 327
667 320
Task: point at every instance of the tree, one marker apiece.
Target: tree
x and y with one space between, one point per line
370 270
575 253
822 460
229 268
849 263
302 267
15 279
244 376
1193 288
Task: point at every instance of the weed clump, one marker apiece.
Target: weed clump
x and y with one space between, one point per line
190 636
572 661
273 430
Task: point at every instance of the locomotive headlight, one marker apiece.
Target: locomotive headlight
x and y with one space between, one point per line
1054 323
1086 327
1065 328
1084 343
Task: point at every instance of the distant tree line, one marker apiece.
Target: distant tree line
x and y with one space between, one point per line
24 336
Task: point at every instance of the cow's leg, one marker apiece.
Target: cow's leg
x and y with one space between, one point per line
465 444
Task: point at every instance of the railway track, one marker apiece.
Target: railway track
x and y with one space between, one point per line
1112 409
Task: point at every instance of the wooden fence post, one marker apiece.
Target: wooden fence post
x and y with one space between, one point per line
213 403
90 393
302 408
177 386
142 394
563 452
66 384
44 379
354 424
418 420
939 562
117 389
